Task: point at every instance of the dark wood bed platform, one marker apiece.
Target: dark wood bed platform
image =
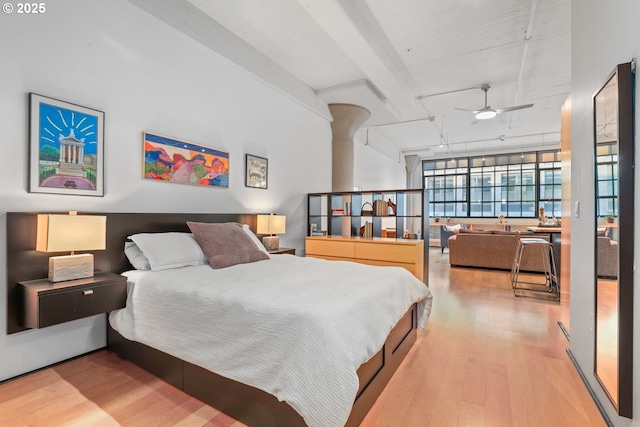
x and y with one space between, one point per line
242 402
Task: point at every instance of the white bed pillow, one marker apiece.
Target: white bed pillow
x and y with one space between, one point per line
169 250
136 257
255 239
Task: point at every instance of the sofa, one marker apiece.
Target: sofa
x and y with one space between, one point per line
607 258
493 249
447 231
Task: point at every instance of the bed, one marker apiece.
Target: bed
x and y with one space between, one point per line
285 395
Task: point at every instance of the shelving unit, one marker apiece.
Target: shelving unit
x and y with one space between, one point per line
337 218
341 213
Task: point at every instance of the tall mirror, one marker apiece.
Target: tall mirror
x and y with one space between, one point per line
614 235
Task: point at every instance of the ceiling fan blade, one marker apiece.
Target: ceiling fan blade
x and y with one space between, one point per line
467 110
487 112
474 122
515 107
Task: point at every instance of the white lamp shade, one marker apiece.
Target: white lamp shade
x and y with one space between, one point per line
68 233
271 224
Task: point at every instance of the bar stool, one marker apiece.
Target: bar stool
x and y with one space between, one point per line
549 289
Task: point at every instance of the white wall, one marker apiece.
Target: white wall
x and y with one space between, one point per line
111 56
376 171
604 34
378 164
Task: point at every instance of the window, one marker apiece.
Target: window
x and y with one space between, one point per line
550 188
507 190
446 188
513 185
607 190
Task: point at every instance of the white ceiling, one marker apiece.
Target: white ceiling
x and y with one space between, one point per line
410 62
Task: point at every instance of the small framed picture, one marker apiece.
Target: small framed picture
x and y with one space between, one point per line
66 146
256 172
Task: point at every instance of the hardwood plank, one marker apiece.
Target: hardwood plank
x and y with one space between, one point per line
471 415
510 351
486 358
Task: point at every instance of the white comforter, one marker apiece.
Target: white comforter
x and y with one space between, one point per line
297 328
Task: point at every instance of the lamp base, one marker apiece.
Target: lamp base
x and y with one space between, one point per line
70 267
271 243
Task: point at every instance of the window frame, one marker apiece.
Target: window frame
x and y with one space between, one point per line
504 185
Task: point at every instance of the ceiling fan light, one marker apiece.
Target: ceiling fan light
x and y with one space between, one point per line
484 115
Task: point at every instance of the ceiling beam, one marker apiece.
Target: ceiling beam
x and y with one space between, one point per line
343 22
212 36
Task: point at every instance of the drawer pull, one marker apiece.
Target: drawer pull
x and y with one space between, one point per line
89 292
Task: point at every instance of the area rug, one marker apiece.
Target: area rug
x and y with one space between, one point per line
444 259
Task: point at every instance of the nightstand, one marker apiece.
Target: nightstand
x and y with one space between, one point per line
47 303
291 251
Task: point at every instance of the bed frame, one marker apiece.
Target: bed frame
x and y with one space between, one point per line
242 402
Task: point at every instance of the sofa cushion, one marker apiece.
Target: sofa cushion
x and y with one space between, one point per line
467 231
607 257
506 233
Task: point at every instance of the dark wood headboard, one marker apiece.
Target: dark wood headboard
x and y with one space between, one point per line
24 263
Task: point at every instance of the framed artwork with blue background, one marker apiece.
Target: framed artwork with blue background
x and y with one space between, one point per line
66 148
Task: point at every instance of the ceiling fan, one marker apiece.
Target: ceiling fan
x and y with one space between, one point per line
489 113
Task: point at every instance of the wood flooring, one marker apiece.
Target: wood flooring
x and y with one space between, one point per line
486 358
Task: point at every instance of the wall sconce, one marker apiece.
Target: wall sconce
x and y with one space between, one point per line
70 233
271 225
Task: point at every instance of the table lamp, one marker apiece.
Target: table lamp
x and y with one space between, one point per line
271 225
70 233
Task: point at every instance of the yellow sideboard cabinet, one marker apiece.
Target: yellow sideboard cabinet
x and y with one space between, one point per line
404 253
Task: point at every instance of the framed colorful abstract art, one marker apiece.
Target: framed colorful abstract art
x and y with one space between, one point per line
66 148
256 172
172 160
